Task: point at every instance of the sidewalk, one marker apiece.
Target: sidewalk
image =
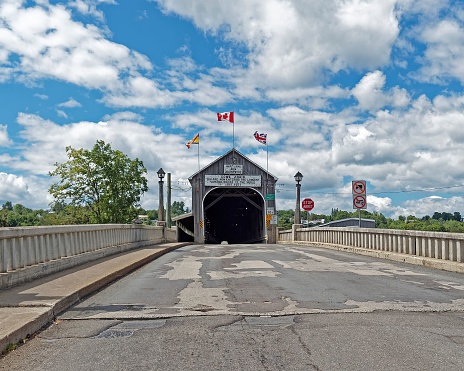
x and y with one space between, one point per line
26 308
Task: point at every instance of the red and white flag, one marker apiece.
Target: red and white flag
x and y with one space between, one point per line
226 116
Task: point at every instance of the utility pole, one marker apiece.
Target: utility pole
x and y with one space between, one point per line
168 201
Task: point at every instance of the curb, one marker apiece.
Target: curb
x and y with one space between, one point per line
29 329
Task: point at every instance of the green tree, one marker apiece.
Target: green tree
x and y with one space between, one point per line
7 206
177 208
285 218
104 181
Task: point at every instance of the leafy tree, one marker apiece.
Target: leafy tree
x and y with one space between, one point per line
152 214
104 181
285 218
436 215
178 208
7 206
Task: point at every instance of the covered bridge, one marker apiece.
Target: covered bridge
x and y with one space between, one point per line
233 200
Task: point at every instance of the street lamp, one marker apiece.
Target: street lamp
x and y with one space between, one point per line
298 178
161 174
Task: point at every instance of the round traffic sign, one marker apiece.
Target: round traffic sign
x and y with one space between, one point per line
359 187
307 204
359 202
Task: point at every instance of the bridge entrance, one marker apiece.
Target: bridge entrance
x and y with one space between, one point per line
235 215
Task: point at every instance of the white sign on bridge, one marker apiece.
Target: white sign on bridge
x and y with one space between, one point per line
233 169
233 180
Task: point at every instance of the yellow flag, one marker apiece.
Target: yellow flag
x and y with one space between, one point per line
195 140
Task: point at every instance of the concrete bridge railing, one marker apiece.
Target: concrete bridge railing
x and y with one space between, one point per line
27 253
435 245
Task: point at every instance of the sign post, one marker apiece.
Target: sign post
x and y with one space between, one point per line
358 188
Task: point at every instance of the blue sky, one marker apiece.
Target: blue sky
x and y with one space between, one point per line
346 90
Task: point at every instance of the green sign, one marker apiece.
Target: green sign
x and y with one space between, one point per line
270 196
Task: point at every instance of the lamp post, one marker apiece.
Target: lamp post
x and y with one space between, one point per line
298 178
161 174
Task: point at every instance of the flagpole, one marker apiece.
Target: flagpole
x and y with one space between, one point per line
267 163
233 142
198 152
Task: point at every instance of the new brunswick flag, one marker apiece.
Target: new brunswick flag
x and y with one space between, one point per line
195 140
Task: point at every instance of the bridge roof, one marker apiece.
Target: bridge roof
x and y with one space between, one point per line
227 154
182 216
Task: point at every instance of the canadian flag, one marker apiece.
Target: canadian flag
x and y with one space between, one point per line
226 116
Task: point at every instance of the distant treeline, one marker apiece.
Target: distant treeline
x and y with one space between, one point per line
19 216
438 222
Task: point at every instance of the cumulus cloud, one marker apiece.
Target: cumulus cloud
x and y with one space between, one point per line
41 96
444 57
89 7
12 187
70 103
371 95
49 44
291 42
4 140
379 204
46 142
430 205
287 55
409 150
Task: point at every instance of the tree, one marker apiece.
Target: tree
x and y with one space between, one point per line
7 206
103 180
178 208
285 218
436 215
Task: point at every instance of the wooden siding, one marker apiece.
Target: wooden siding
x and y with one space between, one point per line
200 190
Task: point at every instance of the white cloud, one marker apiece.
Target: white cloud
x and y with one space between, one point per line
429 205
61 113
4 140
89 7
444 57
379 204
371 95
49 44
70 103
140 92
124 116
291 42
12 187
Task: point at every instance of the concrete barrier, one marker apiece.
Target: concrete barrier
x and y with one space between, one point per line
441 246
27 253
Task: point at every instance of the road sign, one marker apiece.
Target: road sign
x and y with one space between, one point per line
307 204
270 196
358 187
274 219
359 202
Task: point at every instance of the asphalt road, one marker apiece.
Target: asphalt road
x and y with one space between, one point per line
260 307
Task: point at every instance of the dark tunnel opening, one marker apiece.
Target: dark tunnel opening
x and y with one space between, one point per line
234 215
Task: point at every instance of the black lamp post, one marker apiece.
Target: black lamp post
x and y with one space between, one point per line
161 174
298 179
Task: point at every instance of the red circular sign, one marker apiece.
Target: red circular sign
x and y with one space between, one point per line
307 204
359 187
359 202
